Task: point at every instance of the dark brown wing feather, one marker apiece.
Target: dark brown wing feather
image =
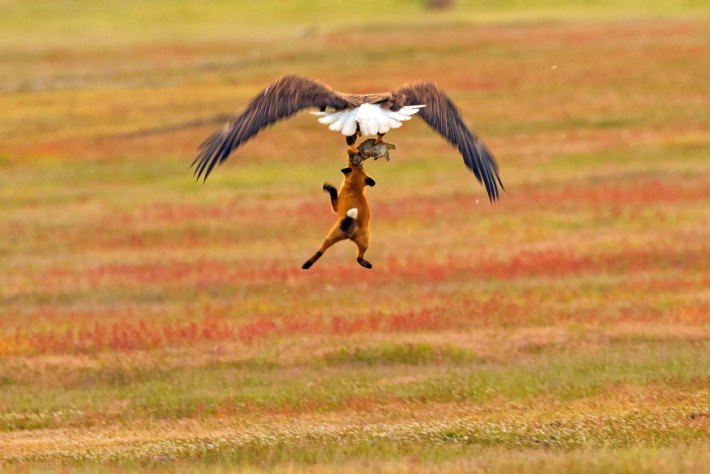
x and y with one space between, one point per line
443 116
280 100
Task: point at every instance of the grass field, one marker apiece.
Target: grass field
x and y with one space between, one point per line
149 322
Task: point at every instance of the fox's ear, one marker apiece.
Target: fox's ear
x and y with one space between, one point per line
369 181
346 171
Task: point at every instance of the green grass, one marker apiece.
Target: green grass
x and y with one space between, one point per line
410 354
120 22
442 375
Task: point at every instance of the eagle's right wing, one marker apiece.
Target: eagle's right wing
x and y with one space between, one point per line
443 116
280 100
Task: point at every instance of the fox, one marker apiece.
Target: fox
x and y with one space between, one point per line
350 204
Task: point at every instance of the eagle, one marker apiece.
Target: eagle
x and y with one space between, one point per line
353 115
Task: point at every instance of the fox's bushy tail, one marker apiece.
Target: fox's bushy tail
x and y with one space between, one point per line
346 225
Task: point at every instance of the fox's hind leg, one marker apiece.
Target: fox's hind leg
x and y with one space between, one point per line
335 236
362 240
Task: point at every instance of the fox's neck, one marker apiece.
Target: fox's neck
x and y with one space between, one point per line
348 186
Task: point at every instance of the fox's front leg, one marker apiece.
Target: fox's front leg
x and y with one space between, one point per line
330 189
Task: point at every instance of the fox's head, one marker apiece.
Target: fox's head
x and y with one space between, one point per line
356 177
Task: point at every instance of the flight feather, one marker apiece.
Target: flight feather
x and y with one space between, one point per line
280 100
443 116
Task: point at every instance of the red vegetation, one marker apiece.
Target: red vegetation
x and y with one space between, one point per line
141 335
630 194
561 262
523 310
642 191
546 262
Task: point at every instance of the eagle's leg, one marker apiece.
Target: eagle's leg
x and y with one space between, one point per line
379 138
352 149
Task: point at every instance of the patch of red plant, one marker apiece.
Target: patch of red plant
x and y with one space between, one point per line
643 191
143 335
549 262
626 195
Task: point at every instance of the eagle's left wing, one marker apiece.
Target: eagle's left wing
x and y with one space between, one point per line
280 100
443 116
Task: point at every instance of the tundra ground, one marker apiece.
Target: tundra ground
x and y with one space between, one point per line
148 321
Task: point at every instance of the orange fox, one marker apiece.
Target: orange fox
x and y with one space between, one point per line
353 214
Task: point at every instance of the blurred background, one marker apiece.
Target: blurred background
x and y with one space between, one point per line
591 272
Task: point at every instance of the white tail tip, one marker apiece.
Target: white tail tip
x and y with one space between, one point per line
352 213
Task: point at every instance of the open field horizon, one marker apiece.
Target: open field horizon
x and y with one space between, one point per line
150 322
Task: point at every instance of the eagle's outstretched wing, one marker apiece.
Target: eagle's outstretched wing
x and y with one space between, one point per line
280 100
443 116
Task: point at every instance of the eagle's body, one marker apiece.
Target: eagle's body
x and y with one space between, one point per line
353 115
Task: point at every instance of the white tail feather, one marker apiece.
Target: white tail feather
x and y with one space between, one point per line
371 117
328 119
410 109
338 124
352 213
350 127
395 124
